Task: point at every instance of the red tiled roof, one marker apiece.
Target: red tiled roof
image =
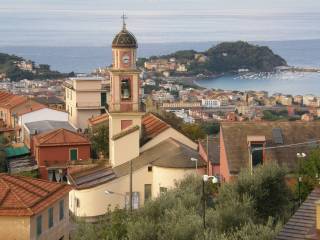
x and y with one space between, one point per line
33 106
25 196
9 100
98 119
60 137
153 125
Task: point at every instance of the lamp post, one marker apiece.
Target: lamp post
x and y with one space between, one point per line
206 178
300 156
195 160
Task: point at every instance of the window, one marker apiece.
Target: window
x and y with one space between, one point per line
149 168
39 225
163 190
125 124
50 217
125 89
147 192
73 154
103 99
77 202
61 209
257 155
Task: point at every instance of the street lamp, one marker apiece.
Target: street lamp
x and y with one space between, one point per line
195 160
300 156
206 178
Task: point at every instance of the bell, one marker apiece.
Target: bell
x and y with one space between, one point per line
126 93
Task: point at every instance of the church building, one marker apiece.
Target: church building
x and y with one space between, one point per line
147 155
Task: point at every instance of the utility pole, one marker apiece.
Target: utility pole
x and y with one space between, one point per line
130 187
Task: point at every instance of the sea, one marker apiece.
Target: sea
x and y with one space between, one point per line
79 40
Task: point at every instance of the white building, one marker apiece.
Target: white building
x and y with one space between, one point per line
210 103
41 115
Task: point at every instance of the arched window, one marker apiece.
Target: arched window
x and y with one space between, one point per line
125 89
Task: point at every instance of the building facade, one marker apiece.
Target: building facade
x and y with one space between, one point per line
85 97
33 209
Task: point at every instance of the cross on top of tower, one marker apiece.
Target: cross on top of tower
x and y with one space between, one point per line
124 17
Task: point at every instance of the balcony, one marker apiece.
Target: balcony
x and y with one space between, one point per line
89 105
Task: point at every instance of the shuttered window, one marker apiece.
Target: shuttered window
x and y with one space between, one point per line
73 154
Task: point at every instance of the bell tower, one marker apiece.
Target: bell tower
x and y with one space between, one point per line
124 103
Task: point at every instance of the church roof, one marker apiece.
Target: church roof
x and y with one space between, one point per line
124 39
177 155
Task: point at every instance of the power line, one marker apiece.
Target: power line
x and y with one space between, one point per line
285 146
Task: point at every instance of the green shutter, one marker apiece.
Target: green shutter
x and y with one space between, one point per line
103 99
74 154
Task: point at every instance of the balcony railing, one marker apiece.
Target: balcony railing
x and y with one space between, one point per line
89 105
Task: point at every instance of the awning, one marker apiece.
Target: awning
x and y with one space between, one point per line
16 151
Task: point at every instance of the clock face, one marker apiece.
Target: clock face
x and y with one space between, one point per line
125 59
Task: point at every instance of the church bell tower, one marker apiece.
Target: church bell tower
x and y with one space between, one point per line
124 103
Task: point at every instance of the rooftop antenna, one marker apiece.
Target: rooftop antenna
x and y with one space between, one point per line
124 17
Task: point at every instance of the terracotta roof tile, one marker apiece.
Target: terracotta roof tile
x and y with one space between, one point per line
235 135
60 136
153 125
24 196
98 119
301 224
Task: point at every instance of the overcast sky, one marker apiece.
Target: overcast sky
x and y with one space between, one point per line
263 5
95 22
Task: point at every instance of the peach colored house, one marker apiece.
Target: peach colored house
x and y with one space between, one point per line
33 209
247 144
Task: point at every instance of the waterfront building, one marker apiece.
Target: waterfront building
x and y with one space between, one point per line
210 103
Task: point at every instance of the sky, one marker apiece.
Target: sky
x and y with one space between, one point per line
265 5
94 22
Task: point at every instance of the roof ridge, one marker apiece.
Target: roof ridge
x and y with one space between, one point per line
17 197
32 184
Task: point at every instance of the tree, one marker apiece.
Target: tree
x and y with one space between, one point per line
266 182
99 137
310 170
193 131
245 209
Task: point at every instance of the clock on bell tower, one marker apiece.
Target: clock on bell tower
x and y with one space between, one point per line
124 103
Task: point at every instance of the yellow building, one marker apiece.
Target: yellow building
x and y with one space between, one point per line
147 156
85 97
33 209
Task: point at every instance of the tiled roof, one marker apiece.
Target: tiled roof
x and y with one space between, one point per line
152 125
49 100
9 100
47 125
214 148
235 136
177 155
60 137
24 196
30 107
302 223
98 119
91 177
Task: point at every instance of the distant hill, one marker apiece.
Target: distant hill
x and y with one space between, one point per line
17 68
227 57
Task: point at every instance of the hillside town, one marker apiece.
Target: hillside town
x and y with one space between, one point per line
76 149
